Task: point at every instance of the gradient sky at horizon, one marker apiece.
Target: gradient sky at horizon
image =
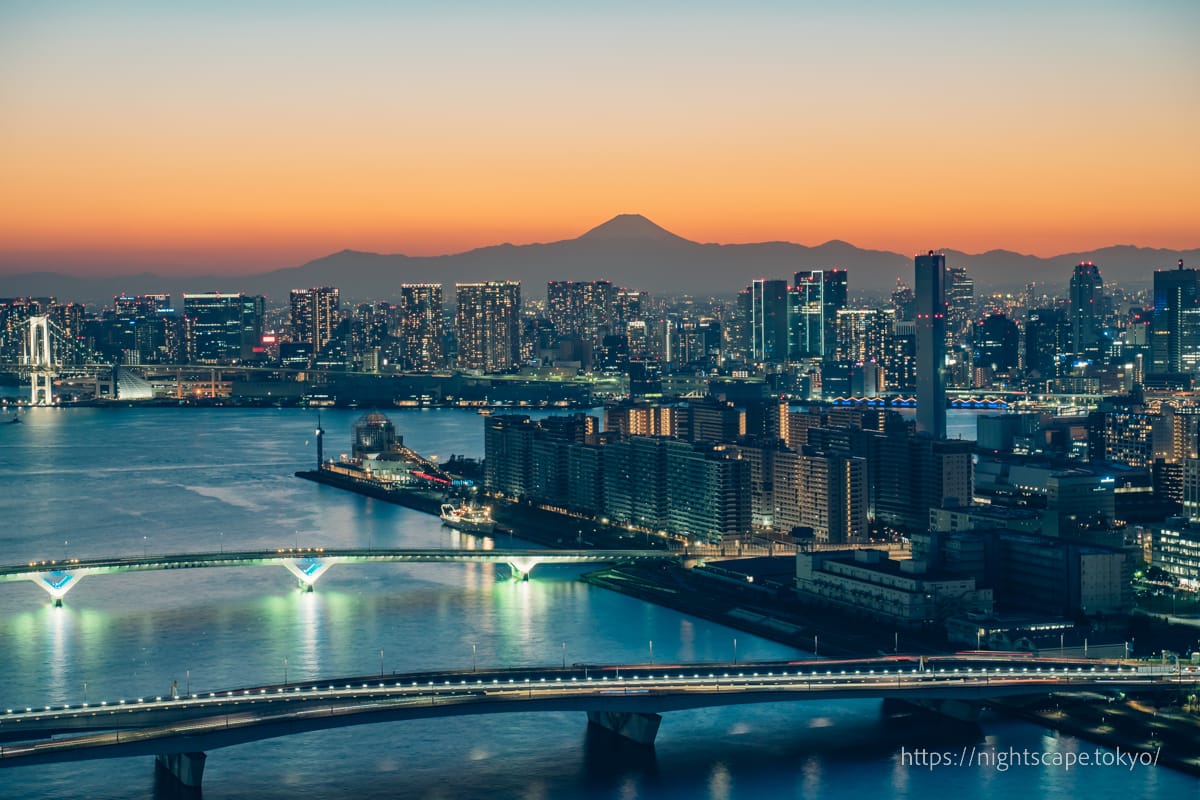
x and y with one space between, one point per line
229 137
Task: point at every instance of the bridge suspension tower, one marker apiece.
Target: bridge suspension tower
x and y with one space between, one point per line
38 359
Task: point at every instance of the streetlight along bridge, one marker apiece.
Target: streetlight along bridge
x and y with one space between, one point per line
625 699
57 577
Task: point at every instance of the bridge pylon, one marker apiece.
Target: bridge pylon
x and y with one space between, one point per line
38 359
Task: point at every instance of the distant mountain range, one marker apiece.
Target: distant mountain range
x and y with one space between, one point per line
628 250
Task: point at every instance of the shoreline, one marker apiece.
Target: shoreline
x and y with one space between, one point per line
836 635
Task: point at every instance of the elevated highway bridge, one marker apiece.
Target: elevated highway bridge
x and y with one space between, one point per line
625 699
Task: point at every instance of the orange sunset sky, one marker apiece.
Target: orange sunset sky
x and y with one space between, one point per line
241 137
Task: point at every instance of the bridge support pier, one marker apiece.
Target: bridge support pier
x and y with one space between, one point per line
56 582
521 567
957 710
307 570
186 768
639 728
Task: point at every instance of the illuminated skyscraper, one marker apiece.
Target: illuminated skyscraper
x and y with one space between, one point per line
931 344
421 327
139 323
862 334
960 297
488 324
1176 293
221 327
579 308
831 297
806 311
315 315
1086 289
769 320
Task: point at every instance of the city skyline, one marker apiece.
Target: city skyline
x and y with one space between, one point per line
216 139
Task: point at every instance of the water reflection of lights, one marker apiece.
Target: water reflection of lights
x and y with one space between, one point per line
60 622
309 633
720 782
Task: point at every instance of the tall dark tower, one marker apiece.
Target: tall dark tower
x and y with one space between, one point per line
931 344
1086 289
769 320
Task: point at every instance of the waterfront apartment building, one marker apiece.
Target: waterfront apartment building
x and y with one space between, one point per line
710 420
706 491
699 491
488 325
315 315
220 328
639 418
422 327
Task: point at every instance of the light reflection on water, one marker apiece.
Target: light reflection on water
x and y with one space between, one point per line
157 474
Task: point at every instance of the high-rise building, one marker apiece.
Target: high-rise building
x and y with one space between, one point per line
769 321
630 305
960 299
806 311
422 327
834 497
900 357
488 325
904 302
822 294
996 343
1191 490
580 308
1087 288
862 334
1176 293
1046 341
931 344
140 327
910 475
315 315
221 327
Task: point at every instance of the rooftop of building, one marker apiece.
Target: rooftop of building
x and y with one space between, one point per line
881 563
996 512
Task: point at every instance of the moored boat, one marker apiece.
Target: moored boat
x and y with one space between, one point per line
468 518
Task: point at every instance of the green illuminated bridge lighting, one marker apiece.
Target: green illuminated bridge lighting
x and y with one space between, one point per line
308 564
627 700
